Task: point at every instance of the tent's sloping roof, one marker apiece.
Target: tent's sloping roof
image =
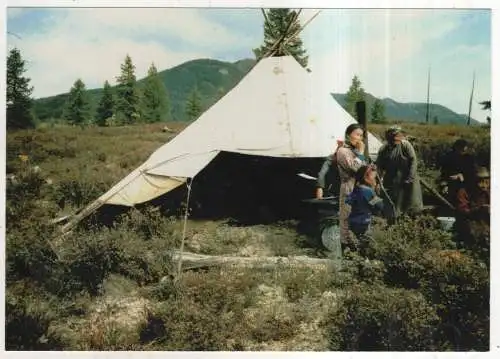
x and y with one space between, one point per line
274 111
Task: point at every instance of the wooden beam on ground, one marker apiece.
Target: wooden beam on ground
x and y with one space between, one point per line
194 260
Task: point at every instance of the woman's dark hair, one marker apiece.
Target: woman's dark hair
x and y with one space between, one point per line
351 128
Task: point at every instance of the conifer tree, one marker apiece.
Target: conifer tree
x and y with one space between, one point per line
128 100
106 107
193 104
19 101
378 112
77 111
356 93
155 97
280 23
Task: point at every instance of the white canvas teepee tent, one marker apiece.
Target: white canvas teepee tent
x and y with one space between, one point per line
274 111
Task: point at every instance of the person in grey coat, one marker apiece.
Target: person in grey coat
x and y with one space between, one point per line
397 163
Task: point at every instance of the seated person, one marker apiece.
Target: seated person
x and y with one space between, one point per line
457 169
473 204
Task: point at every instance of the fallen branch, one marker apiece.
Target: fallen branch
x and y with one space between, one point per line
436 193
194 260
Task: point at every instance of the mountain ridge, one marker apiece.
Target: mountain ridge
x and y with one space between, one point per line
214 78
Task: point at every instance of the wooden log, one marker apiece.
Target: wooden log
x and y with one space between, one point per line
436 193
194 260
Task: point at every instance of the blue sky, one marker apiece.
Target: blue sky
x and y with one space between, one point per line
390 50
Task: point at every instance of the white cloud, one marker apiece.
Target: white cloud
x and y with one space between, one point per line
92 43
389 51
187 24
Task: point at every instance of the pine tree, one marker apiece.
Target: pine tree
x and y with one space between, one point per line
77 111
19 102
193 104
128 101
155 97
106 107
487 106
378 112
280 23
356 93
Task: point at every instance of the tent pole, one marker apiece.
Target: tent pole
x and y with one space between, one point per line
186 214
361 115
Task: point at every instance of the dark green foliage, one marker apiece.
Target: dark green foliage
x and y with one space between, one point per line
77 111
204 312
128 96
19 102
155 98
377 318
77 193
486 106
402 246
28 316
356 93
193 105
459 286
280 24
419 256
378 112
213 78
106 107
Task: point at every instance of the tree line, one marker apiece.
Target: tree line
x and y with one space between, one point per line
126 104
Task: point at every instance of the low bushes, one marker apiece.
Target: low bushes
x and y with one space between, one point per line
377 318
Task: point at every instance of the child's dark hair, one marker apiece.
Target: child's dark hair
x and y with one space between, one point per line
361 173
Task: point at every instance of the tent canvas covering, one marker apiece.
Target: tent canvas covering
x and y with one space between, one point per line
275 111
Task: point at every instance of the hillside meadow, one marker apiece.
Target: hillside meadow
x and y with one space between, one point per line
114 287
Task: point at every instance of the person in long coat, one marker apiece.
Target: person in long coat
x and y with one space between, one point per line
397 163
349 158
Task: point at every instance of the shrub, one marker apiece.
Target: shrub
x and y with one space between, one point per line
206 312
300 282
400 248
28 316
374 318
29 254
459 286
419 256
77 192
87 258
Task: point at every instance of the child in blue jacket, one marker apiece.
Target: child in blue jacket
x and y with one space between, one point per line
364 202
